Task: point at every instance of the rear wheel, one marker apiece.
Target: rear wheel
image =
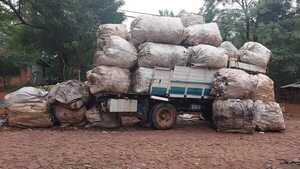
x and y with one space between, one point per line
164 116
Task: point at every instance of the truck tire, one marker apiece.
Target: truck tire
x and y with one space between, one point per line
163 116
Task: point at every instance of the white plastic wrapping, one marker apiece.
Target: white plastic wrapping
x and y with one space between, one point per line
103 119
113 30
233 84
233 115
208 33
268 116
208 56
162 55
108 79
142 80
255 53
189 19
115 51
157 29
231 50
264 89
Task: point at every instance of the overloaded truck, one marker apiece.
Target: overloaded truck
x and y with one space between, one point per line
182 89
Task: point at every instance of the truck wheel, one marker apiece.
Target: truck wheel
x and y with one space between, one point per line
164 116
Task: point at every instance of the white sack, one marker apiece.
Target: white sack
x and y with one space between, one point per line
26 94
115 51
208 56
189 19
113 30
255 53
233 84
264 89
162 55
231 50
103 119
70 117
157 29
142 80
233 115
208 33
268 116
108 79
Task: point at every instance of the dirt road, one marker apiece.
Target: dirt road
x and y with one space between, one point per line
192 144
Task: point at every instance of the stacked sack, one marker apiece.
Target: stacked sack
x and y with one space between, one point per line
245 102
27 107
174 41
68 102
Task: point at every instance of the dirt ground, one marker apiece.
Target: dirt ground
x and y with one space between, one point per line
191 144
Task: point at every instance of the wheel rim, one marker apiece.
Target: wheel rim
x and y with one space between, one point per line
165 118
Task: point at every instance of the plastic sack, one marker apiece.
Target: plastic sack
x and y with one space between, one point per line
103 119
268 116
233 115
161 55
142 80
113 30
233 84
189 19
115 51
157 29
255 53
68 117
31 114
231 50
208 33
208 56
264 89
108 79
73 94
25 94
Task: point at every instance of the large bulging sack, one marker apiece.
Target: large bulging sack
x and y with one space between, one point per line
162 55
255 53
208 56
157 29
189 19
233 115
108 79
231 50
264 89
268 116
142 80
115 51
103 119
233 84
113 30
72 94
70 117
31 114
208 33
26 94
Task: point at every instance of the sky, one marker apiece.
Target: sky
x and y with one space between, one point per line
152 7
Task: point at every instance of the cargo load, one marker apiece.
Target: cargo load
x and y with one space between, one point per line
246 66
108 79
141 81
115 51
68 117
233 84
103 119
26 94
157 29
189 19
29 114
264 89
231 50
73 94
208 56
162 55
255 53
233 115
207 33
268 116
113 30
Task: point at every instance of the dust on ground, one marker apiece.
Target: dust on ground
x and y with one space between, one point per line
191 144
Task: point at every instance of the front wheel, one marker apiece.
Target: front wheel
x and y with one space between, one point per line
164 116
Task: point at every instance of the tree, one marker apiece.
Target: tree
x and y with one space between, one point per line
63 30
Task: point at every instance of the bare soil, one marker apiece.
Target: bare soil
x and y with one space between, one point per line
191 144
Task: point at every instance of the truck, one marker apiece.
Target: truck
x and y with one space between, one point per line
171 92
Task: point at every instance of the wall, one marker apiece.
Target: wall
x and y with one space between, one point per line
23 78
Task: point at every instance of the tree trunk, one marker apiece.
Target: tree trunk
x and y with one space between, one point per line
247 26
62 63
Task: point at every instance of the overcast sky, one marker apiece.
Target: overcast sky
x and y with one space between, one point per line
152 6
